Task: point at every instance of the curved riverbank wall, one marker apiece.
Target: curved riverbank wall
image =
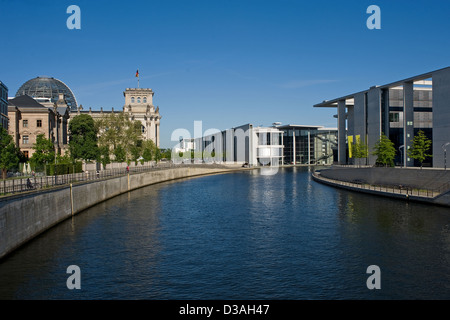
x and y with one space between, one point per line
23 217
413 178
423 185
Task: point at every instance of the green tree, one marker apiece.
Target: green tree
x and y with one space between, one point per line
421 145
149 150
103 156
158 155
136 151
385 151
121 135
359 150
165 153
83 138
9 153
120 154
44 151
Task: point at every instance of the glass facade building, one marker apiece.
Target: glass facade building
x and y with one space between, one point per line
422 118
3 105
399 110
46 89
313 145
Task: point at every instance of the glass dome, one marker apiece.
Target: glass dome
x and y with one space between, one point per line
48 88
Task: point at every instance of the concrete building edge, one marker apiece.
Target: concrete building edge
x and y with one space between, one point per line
10 251
381 193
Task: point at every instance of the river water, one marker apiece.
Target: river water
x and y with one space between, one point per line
239 236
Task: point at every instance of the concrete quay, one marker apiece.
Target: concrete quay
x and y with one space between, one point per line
427 186
25 216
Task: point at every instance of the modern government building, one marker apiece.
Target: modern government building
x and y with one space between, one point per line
262 146
399 110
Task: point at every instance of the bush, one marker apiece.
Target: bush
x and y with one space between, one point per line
63 168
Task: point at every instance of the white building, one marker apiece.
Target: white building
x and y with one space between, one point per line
255 146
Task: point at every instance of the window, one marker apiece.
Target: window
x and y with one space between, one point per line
145 100
139 100
394 117
25 123
25 140
25 154
39 123
132 99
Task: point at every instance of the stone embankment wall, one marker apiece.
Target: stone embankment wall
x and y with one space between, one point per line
413 178
421 179
23 217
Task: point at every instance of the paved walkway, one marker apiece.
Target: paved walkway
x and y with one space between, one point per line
397 192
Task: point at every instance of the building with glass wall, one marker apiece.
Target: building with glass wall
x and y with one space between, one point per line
399 110
311 145
246 144
3 105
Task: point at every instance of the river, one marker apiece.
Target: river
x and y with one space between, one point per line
240 235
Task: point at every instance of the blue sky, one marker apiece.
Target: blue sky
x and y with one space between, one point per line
223 62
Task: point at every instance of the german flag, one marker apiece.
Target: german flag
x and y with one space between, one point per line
137 73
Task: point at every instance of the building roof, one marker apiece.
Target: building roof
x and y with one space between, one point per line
25 101
297 126
47 87
421 79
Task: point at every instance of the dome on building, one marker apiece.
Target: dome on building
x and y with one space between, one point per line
47 88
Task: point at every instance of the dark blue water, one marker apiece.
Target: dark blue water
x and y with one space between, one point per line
239 236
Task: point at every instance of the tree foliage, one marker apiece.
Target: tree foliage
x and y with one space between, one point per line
359 150
121 135
385 151
83 138
421 145
44 151
9 153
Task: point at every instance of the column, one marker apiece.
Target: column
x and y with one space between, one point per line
441 116
157 134
342 145
408 121
294 156
309 146
373 121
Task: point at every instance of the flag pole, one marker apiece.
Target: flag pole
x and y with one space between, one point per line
137 75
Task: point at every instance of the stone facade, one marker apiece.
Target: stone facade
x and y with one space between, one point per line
28 119
139 106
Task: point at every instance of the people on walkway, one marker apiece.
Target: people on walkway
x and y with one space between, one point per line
29 184
128 169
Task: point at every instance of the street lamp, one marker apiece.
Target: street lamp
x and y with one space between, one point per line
401 154
444 146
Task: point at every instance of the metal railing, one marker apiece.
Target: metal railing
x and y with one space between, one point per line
399 189
18 185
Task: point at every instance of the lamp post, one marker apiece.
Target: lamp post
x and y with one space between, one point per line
444 146
401 154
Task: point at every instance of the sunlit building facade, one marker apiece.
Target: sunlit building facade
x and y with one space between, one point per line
399 110
243 145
